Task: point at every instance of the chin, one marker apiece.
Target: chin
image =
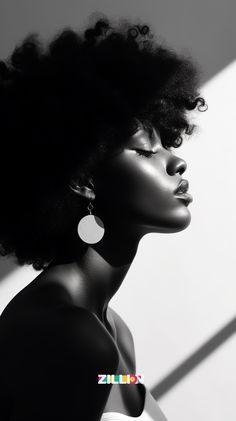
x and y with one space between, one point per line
180 223
176 222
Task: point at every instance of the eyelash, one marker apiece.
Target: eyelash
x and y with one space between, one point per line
146 154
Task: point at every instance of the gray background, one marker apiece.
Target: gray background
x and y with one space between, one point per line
205 28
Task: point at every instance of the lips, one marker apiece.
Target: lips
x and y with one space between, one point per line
181 192
182 187
185 197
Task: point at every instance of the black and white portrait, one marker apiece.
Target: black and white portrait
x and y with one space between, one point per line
117 210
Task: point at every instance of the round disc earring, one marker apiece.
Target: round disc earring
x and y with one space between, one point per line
90 227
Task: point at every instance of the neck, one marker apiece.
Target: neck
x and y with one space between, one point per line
104 267
98 274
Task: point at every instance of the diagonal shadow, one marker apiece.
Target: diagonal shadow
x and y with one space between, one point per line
205 28
196 358
211 44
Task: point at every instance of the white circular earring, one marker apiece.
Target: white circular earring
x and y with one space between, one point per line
90 227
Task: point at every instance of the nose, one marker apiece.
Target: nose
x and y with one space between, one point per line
176 165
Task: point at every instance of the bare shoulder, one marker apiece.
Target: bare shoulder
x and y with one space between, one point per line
57 358
69 331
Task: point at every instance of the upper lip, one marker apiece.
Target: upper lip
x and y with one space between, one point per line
182 187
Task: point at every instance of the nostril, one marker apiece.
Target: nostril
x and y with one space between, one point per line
181 170
181 166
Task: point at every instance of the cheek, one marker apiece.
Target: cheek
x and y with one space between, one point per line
133 183
140 191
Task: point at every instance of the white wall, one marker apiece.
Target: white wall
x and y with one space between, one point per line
189 292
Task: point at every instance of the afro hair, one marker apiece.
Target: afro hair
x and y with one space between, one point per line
63 107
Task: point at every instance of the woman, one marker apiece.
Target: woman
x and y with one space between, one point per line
88 127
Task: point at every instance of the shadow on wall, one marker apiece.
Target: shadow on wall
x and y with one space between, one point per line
205 28
194 360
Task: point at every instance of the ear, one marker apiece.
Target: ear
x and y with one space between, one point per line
83 190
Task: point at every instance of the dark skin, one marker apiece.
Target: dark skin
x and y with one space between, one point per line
68 304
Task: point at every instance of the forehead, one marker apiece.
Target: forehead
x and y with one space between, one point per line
142 137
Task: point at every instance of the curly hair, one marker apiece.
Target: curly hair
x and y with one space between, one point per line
63 107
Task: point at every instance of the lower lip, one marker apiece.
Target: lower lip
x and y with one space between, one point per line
186 197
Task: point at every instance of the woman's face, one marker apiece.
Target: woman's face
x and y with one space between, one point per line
135 187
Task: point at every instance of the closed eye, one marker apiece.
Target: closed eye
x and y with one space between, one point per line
146 154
